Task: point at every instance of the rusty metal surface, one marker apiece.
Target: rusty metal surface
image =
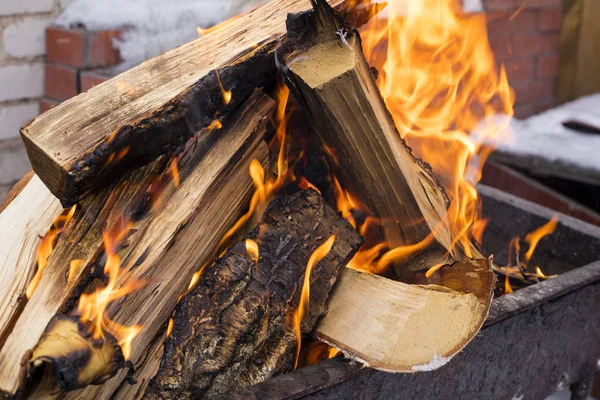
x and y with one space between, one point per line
539 340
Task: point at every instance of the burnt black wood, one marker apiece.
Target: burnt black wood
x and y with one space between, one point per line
539 340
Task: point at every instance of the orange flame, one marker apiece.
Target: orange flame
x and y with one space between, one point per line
266 188
314 259
73 267
226 93
252 249
93 307
533 238
46 246
174 172
439 80
170 326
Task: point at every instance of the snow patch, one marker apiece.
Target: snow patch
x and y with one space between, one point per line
434 364
544 136
153 26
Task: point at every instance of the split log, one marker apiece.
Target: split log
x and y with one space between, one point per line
26 216
331 79
397 327
164 247
236 328
87 141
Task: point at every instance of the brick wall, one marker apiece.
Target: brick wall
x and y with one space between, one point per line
524 36
22 49
77 60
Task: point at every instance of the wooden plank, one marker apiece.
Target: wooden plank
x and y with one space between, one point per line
28 215
164 246
85 142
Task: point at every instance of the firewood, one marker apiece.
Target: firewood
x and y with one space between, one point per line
235 328
326 70
164 247
85 142
27 214
330 77
397 327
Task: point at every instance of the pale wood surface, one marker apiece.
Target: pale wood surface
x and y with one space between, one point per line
174 242
23 222
396 327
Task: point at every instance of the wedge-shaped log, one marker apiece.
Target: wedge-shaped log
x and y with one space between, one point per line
164 247
27 215
87 141
236 328
330 77
396 327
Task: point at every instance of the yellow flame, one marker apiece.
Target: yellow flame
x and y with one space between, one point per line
533 238
539 273
46 246
73 268
266 188
226 93
438 77
252 249
92 307
303 305
170 326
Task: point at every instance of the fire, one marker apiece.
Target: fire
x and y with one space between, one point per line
252 249
267 188
93 307
439 79
533 238
46 246
174 172
73 267
519 268
226 93
314 259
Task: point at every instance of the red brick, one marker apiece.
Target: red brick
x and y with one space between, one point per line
89 79
103 52
550 20
46 104
519 70
528 92
533 44
65 46
60 82
544 104
501 47
495 5
509 23
524 110
547 66
544 3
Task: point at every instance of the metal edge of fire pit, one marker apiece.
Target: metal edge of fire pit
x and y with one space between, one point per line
538 340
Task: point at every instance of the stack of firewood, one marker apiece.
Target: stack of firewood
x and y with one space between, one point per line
157 162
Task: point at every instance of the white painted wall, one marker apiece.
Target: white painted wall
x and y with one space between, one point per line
22 48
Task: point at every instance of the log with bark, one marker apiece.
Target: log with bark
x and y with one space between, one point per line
172 233
327 72
236 327
153 108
